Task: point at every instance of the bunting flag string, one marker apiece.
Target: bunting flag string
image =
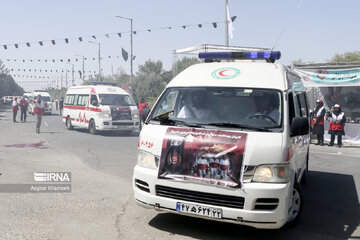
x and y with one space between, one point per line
118 34
56 60
31 70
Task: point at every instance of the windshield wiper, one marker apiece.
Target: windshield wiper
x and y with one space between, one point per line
165 120
162 116
235 125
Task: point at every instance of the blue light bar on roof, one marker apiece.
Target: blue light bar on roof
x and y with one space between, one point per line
104 83
275 55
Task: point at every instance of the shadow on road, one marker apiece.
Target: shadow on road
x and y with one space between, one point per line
331 209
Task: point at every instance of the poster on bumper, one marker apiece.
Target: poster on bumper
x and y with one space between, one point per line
204 156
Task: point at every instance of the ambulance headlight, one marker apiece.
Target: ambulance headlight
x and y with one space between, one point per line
135 116
105 114
147 160
275 173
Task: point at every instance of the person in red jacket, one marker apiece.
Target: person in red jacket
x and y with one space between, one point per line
15 108
337 124
318 122
142 105
39 112
23 108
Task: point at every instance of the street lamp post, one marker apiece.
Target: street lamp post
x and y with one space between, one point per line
131 51
99 59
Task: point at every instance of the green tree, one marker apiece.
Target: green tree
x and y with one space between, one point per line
8 86
185 62
3 69
120 77
149 81
346 57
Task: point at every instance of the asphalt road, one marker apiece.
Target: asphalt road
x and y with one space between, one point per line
101 204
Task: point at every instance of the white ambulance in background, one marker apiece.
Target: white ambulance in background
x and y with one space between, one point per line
100 107
45 97
227 140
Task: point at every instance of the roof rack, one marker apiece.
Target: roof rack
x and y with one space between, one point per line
104 83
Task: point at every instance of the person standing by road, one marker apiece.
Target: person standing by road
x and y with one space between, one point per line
337 124
56 104
39 112
61 105
23 108
15 108
142 105
318 122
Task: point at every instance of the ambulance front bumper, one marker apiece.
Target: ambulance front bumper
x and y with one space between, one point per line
118 125
256 210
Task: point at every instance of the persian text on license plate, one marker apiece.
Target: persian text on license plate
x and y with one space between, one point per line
199 210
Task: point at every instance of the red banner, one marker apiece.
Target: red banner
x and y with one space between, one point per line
203 156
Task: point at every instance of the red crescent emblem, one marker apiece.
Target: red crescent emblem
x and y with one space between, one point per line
221 73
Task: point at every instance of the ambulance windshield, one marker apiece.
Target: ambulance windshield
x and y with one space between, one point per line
116 99
228 107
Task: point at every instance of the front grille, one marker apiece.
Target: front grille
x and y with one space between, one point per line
200 197
142 185
120 113
122 123
266 203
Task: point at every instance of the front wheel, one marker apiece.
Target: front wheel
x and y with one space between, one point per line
296 205
92 127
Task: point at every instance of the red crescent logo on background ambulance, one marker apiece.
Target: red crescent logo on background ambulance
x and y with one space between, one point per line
225 73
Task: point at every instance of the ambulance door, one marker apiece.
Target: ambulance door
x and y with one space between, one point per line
93 106
83 113
75 112
297 142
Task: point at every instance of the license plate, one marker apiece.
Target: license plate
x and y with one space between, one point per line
199 210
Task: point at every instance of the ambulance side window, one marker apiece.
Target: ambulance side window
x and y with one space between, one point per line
291 107
76 99
298 112
303 105
69 99
82 100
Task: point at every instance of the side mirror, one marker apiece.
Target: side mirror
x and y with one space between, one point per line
299 126
145 113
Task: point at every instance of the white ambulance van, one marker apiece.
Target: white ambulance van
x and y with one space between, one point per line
228 141
45 96
100 107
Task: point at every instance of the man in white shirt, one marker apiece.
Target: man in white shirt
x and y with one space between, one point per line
266 108
15 108
197 109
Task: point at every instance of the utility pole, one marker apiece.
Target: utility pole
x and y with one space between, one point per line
66 71
131 52
61 83
226 24
73 79
99 59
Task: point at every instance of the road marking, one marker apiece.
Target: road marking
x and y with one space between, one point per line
1 114
338 154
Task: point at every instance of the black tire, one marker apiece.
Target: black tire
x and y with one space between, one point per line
92 127
69 126
297 204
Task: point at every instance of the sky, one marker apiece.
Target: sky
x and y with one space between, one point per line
302 29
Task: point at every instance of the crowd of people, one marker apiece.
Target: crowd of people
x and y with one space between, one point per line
38 110
209 165
336 118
